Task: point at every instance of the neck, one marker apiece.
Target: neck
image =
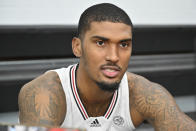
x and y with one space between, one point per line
89 91
95 100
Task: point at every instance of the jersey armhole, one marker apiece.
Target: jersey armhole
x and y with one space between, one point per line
62 72
129 118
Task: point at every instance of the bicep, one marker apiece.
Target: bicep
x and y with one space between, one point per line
41 105
34 106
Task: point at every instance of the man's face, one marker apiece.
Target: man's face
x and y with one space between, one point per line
105 52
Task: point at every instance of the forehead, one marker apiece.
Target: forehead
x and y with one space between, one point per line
109 30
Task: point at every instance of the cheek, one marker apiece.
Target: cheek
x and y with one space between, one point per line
124 58
92 58
94 55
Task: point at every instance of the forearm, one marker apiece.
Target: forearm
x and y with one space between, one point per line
181 123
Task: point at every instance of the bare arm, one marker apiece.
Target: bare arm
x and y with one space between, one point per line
42 101
156 105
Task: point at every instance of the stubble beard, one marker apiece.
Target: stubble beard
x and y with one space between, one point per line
105 86
110 87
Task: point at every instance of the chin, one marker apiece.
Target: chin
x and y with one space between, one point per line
106 86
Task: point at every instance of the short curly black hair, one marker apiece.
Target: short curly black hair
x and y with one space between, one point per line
102 12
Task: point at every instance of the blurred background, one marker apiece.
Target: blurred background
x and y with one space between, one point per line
35 36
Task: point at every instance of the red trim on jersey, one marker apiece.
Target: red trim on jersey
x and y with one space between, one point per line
111 105
82 109
76 94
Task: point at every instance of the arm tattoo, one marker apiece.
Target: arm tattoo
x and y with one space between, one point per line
157 106
42 102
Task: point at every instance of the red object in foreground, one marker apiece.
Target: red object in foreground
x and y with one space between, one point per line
17 127
61 129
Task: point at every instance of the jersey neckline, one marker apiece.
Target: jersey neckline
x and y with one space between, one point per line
79 102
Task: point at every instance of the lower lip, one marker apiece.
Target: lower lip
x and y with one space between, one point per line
110 74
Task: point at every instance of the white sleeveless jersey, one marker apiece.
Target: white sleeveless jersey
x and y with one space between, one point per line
116 118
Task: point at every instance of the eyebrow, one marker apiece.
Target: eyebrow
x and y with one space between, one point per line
100 37
106 39
125 40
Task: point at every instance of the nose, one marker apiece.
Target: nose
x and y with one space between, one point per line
112 54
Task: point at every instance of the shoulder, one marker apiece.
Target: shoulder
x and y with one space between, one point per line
139 85
42 99
145 92
136 81
45 78
148 99
48 82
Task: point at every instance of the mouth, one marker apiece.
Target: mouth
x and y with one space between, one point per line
110 71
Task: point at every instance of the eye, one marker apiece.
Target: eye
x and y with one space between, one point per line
124 45
100 43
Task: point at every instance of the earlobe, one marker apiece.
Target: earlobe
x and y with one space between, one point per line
76 46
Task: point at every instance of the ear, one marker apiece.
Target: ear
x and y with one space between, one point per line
76 46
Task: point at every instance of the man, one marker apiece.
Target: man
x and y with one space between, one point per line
98 93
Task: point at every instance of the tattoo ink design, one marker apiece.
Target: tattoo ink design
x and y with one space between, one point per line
43 102
157 106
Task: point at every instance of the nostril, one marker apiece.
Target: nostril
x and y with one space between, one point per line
112 53
112 57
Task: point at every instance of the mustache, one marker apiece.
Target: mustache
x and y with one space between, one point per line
112 65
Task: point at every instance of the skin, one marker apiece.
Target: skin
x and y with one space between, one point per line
152 102
111 51
42 101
